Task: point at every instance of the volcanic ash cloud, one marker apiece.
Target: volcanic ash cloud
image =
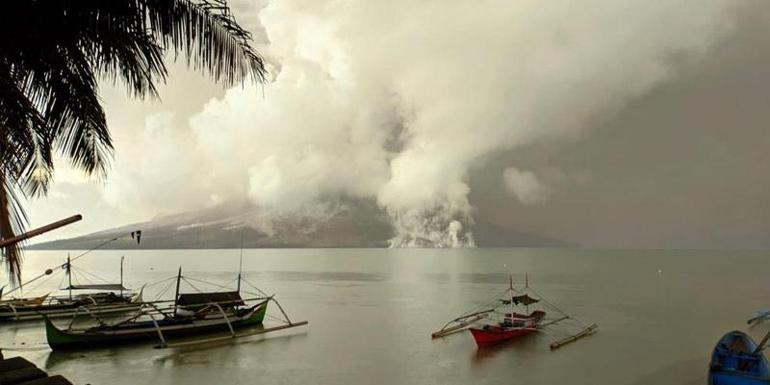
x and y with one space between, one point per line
397 101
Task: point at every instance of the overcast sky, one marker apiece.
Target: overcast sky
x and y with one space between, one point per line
604 123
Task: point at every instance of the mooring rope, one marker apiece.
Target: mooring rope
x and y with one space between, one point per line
255 288
191 284
225 286
166 289
86 272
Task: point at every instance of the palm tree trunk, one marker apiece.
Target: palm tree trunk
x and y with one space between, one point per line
12 252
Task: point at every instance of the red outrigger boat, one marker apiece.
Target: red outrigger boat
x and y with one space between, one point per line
513 326
509 324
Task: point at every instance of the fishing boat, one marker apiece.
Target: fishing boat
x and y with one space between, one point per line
738 360
504 321
514 325
191 314
101 298
103 303
16 302
154 330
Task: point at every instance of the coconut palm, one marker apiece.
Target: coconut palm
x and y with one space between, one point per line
53 52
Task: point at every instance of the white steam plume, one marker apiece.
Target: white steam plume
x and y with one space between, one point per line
397 100
525 186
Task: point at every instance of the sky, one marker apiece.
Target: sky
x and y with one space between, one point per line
602 123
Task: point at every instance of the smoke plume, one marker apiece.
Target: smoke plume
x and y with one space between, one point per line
398 101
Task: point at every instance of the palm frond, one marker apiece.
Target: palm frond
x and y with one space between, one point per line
49 67
206 32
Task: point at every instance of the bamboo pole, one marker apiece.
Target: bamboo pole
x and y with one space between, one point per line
40 230
762 344
586 332
761 317
457 328
231 337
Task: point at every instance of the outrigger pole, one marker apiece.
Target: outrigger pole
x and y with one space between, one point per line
463 322
761 316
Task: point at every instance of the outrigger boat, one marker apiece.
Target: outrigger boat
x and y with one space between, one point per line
738 360
508 324
192 314
513 325
103 299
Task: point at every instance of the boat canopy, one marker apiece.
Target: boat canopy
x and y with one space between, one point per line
523 299
223 298
104 286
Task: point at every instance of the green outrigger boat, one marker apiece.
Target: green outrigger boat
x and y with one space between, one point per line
192 315
153 330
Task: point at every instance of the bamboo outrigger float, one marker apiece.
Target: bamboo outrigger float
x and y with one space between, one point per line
513 324
761 316
591 329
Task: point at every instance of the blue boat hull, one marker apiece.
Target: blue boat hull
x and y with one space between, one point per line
734 362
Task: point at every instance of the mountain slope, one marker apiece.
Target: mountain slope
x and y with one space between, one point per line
353 223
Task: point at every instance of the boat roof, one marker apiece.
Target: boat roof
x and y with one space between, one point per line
223 298
522 299
103 286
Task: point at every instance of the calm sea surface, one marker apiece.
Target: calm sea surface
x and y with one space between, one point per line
371 313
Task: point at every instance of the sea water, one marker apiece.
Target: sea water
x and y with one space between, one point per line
371 313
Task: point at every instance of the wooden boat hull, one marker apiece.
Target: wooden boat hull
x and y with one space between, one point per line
146 331
493 334
24 301
60 311
489 337
733 362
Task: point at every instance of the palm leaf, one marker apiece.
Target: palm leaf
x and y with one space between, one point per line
50 63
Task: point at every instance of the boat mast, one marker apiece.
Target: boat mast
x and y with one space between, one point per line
69 275
240 264
526 286
121 274
240 271
510 281
176 296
